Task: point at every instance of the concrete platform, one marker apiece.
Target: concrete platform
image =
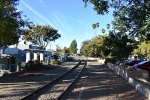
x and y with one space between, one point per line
100 83
139 85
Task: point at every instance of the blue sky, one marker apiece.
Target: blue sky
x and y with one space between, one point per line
69 17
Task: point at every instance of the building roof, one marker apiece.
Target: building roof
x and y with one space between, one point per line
13 51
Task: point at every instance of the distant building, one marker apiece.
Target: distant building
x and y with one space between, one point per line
8 63
22 53
18 53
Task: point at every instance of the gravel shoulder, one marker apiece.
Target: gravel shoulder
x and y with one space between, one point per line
16 86
100 83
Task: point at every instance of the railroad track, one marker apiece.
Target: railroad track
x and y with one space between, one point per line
60 87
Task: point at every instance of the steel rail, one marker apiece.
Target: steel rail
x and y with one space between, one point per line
67 90
49 83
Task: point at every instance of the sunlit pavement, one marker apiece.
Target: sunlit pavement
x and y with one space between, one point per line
100 83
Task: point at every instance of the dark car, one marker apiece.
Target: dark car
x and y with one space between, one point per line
145 65
133 62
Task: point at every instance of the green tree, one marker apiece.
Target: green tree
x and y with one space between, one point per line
131 21
58 49
118 45
11 23
94 47
143 49
73 47
66 51
103 31
114 47
84 48
41 35
96 25
108 26
130 16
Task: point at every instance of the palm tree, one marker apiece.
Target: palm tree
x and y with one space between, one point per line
103 31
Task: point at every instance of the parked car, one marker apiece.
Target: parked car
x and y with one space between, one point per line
145 65
132 62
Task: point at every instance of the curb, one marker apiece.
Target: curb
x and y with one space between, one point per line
123 73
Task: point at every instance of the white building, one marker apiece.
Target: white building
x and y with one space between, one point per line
23 52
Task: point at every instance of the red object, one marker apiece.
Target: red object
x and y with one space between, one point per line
133 62
144 66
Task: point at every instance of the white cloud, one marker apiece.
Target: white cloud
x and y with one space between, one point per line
37 13
59 22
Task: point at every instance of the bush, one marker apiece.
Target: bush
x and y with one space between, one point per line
37 63
70 58
21 65
34 65
55 62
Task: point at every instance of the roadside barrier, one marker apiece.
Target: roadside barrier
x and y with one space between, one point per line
123 73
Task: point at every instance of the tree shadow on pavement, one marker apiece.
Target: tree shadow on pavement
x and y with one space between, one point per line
99 82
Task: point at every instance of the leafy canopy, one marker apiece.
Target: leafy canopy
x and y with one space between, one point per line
84 48
62 51
11 22
73 47
130 16
94 47
115 46
119 46
41 35
143 49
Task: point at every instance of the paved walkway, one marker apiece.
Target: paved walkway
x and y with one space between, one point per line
100 83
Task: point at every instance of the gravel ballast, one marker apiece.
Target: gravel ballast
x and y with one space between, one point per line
15 87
